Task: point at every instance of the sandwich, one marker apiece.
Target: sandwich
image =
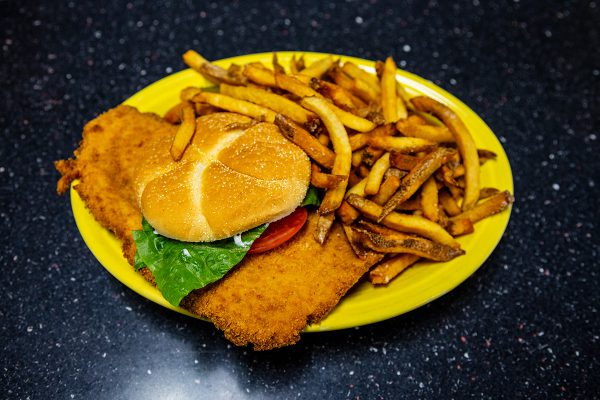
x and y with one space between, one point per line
204 212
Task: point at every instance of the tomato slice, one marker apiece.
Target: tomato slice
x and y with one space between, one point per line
280 231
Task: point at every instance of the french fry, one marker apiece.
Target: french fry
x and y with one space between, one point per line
324 223
403 161
416 177
486 192
491 206
205 109
403 144
318 68
358 189
323 139
354 71
413 204
448 203
173 115
403 222
464 140
460 227
357 157
352 121
347 213
391 183
387 270
401 111
296 65
363 171
335 93
355 86
270 100
236 105
358 141
276 66
307 142
358 248
429 200
341 146
210 71
184 133
217 74
438 134
188 93
386 240
259 75
323 180
388 91
295 86
376 175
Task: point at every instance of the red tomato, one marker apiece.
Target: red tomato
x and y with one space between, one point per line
279 232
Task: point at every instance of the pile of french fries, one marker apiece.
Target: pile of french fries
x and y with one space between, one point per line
401 174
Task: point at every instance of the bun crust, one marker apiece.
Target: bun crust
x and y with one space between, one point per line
234 176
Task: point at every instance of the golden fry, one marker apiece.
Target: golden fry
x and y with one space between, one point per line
318 68
323 180
390 185
429 200
387 270
460 227
416 177
341 146
376 175
403 144
448 203
295 86
438 134
493 205
235 105
307 142
347 213
388 91
259 75
270 100
184 132
335 93
403 161
403 222
464 141
354 71
173 115
386 240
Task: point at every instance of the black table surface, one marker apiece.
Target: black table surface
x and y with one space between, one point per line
526 324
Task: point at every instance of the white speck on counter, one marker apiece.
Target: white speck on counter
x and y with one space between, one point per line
555 186
186 253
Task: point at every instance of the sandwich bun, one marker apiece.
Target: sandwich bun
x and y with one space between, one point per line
236 174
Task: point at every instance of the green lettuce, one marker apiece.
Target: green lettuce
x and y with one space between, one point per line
180 267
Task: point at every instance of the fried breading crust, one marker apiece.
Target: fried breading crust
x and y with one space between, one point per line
268 298
105 164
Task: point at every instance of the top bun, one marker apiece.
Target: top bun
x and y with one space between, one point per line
234 176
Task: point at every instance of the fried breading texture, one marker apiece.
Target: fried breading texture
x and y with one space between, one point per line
269 298
105 164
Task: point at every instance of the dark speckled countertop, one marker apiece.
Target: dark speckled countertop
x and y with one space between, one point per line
525 325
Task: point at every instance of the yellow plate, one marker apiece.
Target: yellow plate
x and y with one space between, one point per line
364 304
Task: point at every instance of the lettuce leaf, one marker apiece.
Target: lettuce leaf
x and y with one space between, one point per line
180 267
312 198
